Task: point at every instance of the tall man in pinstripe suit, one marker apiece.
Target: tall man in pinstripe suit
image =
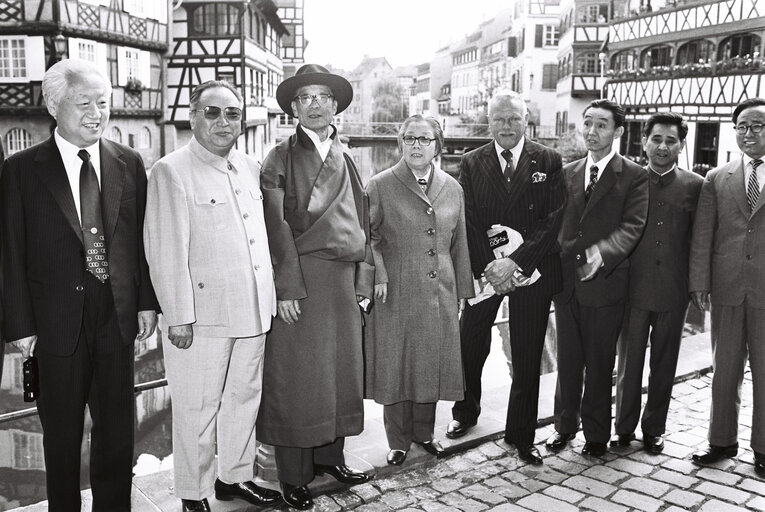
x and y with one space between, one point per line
516 183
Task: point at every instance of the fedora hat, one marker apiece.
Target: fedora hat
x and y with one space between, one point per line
313 74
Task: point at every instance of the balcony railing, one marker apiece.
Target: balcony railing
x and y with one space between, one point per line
732 66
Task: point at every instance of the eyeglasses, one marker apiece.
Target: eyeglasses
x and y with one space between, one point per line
741 129
307 99
212 113
410 139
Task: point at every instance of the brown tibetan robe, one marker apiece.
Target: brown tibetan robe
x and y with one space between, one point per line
317 223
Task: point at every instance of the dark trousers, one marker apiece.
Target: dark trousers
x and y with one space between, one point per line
408 421
666 331
586 353
529 314
100 374
295 465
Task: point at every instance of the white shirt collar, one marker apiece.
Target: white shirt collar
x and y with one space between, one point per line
69 150
748 169
602 163
322 146
427 174
515 150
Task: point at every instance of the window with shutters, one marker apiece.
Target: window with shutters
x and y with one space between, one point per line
17 139
587 63
13 62
86 50
549 76
739 45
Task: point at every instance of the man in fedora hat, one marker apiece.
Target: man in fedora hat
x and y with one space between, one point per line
317 223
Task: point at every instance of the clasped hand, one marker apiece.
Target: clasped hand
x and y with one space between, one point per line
501 275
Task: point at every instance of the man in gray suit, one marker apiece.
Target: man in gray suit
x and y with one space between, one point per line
727 254
205 239
658 286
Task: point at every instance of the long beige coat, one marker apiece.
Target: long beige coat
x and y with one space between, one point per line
412 343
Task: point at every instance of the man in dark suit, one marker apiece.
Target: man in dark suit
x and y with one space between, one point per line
77 288
727 254
519 184
658 290
604 218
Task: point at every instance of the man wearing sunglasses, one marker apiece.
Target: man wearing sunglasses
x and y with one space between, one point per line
317 222
207 249
727 271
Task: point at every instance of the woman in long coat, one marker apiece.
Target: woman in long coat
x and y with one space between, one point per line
422 273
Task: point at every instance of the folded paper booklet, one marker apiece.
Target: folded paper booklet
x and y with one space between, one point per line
503 241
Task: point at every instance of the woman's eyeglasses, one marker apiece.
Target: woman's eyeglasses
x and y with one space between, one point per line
424 141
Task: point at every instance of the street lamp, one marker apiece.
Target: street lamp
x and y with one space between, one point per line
60 45
602 57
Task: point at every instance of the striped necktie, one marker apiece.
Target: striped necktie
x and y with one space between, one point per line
593 182
753 187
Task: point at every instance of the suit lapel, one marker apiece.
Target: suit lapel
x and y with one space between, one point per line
436 184
52 173
606 181
113 171
489 165
576 187
736 183
402 172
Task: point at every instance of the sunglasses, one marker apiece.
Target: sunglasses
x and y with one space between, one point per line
212 113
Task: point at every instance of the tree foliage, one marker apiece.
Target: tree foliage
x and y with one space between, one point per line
389 104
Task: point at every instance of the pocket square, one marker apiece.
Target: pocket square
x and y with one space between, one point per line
538 177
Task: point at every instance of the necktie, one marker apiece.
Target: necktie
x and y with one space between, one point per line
753 187
92 223
422 183
593 182
509 168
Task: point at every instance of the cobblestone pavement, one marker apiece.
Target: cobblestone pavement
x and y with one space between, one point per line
490 477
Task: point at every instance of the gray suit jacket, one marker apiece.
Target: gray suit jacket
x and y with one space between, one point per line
728 245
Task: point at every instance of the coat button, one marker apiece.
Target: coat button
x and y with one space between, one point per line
237 191
429 211
252 241
659 243
579 234
201 285
750 230
749 256
246 216
431 252
256 267
531 207
431 231
578 257
432 274
660 223
79 287
212 201
661 203
230 167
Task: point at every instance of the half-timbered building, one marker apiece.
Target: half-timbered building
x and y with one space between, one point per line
125 38
698 58
238 41
581 70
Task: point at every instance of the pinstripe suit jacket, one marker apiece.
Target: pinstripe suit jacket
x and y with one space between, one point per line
532 204
43 256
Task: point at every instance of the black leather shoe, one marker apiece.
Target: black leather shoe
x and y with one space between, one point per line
194 505
558 441
457 429
653 444
594 449
529 454
297 497
247 491
714 453
342 473
622 439
433 447
396 457
759 463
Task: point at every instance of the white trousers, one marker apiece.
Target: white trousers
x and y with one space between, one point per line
215 387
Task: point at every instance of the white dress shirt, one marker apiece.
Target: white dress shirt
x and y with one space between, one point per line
73 163
322 146
602 163
516 151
